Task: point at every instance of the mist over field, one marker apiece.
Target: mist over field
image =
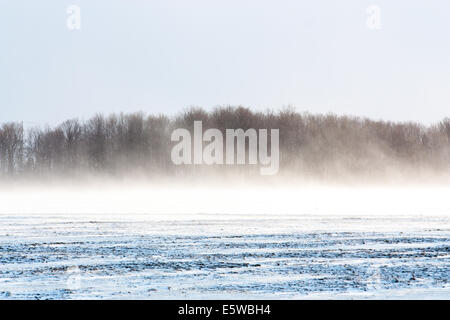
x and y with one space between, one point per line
138 241
128 200
96 209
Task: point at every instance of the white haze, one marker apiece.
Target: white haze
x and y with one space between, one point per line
185 202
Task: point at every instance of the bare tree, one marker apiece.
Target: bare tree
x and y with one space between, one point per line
11 146
317 145
72 133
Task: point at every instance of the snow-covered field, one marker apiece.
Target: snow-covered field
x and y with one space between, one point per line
274 256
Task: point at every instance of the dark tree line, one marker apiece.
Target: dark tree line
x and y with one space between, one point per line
309 144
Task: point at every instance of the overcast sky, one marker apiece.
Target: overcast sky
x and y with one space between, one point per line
161 56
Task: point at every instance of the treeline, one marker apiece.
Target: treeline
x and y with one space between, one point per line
315 145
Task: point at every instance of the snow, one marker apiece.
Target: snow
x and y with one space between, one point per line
224 256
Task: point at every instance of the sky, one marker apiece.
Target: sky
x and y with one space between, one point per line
162 56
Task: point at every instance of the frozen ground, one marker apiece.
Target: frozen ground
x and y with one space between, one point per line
224 256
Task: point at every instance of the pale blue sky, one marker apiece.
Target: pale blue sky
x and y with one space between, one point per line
161 56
